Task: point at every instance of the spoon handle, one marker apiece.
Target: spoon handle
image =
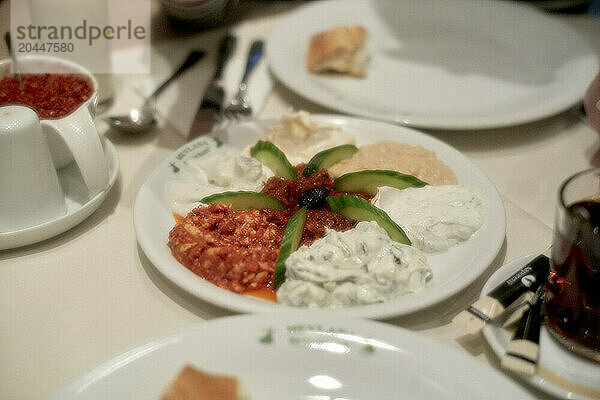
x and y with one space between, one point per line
13 57
189 62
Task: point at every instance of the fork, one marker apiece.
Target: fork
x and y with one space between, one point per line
240 105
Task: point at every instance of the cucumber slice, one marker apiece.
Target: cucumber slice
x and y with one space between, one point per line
289 244
326 158
245 200
357 208
368 181
273 158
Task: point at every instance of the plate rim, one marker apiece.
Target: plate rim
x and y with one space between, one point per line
467 123
206 291
390 334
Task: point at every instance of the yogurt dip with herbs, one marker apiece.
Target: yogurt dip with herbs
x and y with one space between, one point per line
359 266
435 218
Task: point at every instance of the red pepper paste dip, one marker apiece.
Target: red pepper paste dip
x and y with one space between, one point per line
289 191
52 96
237 250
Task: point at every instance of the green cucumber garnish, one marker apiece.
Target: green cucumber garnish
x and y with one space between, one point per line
359 209
368 181
274 159
326 158
289 244
245 200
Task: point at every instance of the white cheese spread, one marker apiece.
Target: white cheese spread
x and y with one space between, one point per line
434 218
300 138
359 266
219 171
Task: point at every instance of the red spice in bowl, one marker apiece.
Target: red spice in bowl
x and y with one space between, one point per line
52 96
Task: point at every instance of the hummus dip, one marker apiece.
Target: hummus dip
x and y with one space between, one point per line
401 157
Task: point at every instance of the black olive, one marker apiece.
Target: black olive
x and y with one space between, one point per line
313 198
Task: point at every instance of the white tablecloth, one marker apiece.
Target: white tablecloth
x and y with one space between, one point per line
78 299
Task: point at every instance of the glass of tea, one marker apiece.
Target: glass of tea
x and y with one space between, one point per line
573 290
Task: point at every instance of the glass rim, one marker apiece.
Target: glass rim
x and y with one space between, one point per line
567 181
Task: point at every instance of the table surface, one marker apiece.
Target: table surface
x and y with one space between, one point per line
73 301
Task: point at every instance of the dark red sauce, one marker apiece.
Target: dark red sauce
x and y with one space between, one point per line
52 96
289 191
573 289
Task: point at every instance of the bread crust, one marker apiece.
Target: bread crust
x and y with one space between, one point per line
193 384
334 50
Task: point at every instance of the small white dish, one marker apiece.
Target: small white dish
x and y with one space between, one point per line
560 373
208 12
79 206
459 64
300 357
453 270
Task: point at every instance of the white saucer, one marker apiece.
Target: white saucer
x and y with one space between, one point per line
79 207
559 372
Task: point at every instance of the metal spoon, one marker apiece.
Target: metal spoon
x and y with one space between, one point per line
13 58
144 118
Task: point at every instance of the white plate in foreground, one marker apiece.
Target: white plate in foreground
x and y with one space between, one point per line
442 64
559 372
79 205
453 270
300 357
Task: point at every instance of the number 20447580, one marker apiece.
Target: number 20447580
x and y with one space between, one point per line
46 47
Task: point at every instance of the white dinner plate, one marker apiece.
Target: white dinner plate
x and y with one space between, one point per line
559 372
452 270
459 64
300 357
79 205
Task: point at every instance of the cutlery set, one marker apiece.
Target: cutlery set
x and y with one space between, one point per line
213 110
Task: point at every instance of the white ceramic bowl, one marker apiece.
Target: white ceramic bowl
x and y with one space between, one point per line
207 12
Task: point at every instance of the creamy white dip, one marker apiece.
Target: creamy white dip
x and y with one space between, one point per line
300 137
435 218
359 266
222 170
227 168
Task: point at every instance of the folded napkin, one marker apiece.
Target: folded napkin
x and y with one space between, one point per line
179 102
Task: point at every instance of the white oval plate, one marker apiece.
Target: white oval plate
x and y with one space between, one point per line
79 206
559 372
442 64
303 358
453 270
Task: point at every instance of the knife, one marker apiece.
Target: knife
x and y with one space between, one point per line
212 101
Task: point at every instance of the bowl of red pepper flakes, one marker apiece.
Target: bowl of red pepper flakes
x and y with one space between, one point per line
52 87
64 96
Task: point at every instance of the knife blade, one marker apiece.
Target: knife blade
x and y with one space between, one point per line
212 100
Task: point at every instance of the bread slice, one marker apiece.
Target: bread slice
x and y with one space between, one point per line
341 49
193 384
